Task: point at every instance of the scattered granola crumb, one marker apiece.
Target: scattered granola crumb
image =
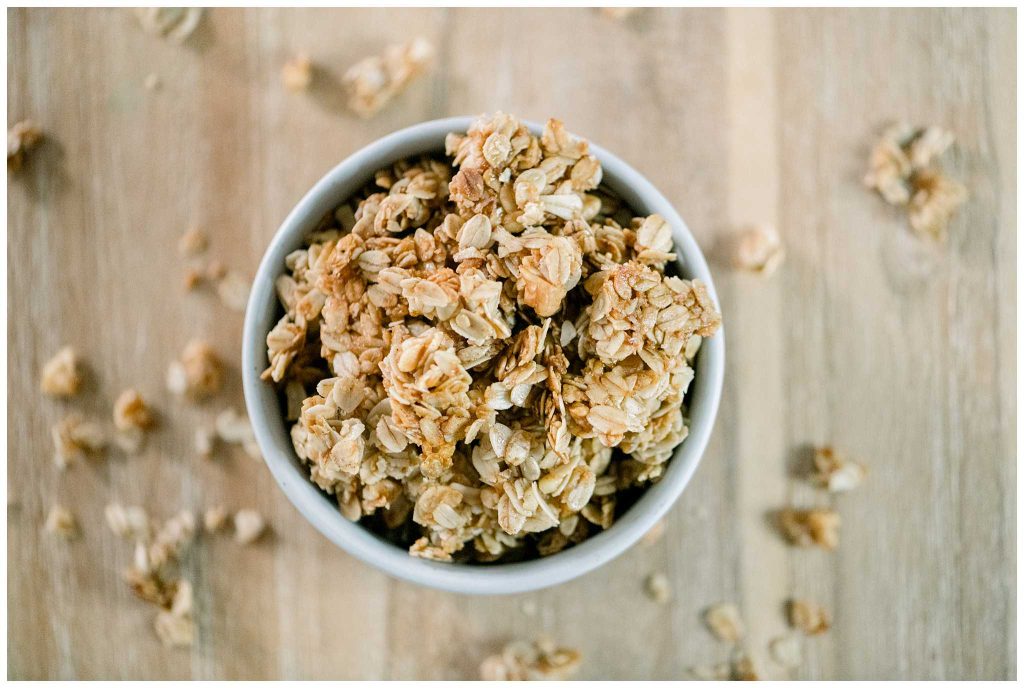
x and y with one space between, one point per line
374 81
655 534
833 471
935 201
249 526
193 278
538 661
175 626
151 82
198 374
724 621
809 617
233 291
215 518
744 667
61 522
658 588
75 438
617 13
130 523
297 73
787 651
192 242
235 428
21 139
807 527
60 377
131 412
903 170
173 23
759 250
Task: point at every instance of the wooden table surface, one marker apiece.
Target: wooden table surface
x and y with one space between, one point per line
899 352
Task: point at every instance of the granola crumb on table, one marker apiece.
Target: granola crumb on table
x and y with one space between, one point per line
485 356
60 376
541 660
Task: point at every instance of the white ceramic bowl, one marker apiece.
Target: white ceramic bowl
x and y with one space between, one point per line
322 511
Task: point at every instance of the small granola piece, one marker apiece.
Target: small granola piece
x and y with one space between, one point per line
233 290
759 250
170 540
75 438
174 23
724 621
935 200
537 661
904 172
131 413
374 81
60 377
61 522
198 374
249 526
808 527
744 667
130 523
234 428
807 616
151 82
21 139
175 626
658 588
192 242
297 73
215 518
787 651
192 279
834 472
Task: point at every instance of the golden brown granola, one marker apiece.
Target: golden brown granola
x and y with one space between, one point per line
75 438
297 73
541 660
759 250
807 616
743 667
724 621
215 519
175 626
903 169
810 527
198 374
61 522
488 351
375 80
21 139
132 417
833 471
60 376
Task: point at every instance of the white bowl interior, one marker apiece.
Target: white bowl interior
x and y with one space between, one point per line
321 510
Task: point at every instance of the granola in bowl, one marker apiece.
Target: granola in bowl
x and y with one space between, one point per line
483 355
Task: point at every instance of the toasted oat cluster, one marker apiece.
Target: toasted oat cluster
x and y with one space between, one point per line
484 355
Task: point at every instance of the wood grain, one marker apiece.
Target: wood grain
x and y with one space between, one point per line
899 352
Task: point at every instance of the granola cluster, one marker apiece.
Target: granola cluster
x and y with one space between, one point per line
488 346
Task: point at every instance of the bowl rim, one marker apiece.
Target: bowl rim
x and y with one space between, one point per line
319 509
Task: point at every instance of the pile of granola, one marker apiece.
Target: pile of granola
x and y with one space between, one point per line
483 355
